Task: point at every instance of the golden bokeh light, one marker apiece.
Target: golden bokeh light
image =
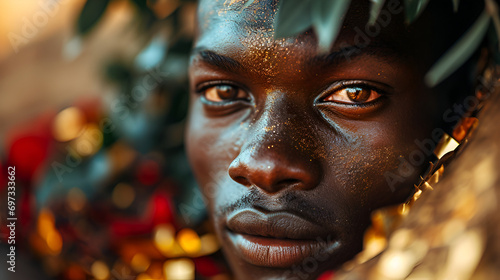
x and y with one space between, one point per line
68 124
46 223
209 244
100 270
179 269
140 263
189 241
89 142
164 238
54 242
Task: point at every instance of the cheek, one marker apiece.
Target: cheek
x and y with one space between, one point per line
368 186
211 147
379 167
359 178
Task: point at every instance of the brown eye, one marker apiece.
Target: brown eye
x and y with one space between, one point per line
221 93
358 94
353 95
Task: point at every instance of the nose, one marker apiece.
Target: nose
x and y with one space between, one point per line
273 160
272 174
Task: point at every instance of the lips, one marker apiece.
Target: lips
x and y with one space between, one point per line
278 239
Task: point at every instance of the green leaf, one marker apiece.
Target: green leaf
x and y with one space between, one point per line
91 13
118 72
492 9
455 5
460 52
293 17
375 10
414 8
142 4
328 17
146 15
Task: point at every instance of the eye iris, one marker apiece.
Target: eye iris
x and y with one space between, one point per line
226 91
357 94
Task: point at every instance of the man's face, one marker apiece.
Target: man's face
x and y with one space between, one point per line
293 148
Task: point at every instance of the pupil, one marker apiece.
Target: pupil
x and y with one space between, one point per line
358 94
226 91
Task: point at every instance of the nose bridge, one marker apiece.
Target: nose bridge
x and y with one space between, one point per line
278 126
272 158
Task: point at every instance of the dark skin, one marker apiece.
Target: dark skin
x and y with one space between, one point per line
291 147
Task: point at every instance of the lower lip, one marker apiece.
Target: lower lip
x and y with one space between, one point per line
280 253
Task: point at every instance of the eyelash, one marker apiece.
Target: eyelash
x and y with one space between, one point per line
366 105
202 87
352 84
201 90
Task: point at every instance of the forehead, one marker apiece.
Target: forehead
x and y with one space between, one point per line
247 36
258 15
229 26
224 23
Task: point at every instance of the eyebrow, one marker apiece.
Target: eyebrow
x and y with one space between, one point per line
217 60
346 53
349 52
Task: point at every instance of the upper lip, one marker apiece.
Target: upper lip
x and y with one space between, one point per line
280 224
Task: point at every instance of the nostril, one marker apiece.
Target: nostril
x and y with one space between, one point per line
273 172
242 180
288 182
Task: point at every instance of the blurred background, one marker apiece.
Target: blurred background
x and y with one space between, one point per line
93 99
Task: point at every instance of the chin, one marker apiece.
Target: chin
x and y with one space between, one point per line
308 267
282 246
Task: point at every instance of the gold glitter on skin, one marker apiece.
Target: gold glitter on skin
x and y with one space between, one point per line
339 155
266 56
232 2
